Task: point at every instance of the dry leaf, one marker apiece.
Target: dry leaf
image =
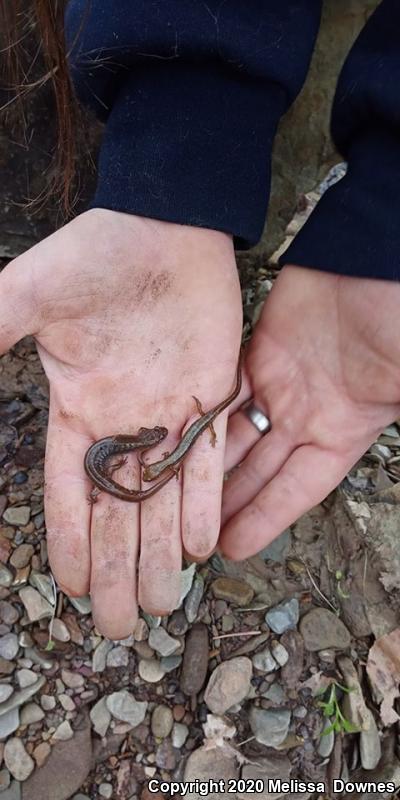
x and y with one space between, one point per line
383 668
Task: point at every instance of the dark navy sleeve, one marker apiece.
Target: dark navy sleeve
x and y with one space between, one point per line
191 93
355 228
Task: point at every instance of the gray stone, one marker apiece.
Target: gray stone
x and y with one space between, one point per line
22 555
280 653
100 716
193 599
44 585
4 779
66 702
63 732
151 670
72 679
26 677
275 694
13 792
17 760
82 604
169 663
31 713
195 659
9 646
278 549
162 642
264 661
118 657
8 613
161 722
6 577
9 722
269 726
327 740
228 685
283 617
5 691
17 515
322 629
38 658
60 631
36 606
48 702
204 765
123 706
19 698
178 624
370 746
106 790
180 732
186 582
100 655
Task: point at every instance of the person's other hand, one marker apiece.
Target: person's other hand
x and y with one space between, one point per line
131 318
324 366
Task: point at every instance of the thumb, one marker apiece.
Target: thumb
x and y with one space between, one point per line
18 309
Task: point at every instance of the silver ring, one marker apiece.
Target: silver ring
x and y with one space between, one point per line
257 417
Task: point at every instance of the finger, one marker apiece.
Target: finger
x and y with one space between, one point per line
114 539
161 550
17 310
202 488
305 480
242 436
263 461
67 509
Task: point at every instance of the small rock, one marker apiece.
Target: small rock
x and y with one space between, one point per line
26 677
6 667
370 746
82 604
193 599
13 792
9 646
22 555
36 606
48 702
9 722
105 790
195 660
6 577
269 726
232 590
63 732
327 740
5 691
279 653
4 779
19 698
264 661
283 617
41 753
141 631
150 670
100 716
43 584
322 629
72 679
178 624
31 713
204 765
228 685
180 732
169 663
275 694
122 705
186 582
38 658
162 642
60 631
100 655
161 722
17 760
67 702
278 549
8 613
166 756
118 657
17 515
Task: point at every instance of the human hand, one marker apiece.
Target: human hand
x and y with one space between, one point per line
131 317
324 366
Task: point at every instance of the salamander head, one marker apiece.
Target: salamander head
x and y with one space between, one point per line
153 435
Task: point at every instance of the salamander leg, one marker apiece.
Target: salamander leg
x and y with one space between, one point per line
213 435
115 466
93 495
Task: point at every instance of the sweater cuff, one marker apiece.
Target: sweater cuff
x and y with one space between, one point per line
178 144
355 228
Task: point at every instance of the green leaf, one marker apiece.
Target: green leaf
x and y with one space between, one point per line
349 727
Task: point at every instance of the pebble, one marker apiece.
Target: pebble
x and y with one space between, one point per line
162 642
41 753
31 713
43 584
327 740
118 657
283 617
193 599
321 629
151 670
26 677
180 732
100 655
278 549
9 722
48 702
195 660
4 779
82 604
60 631
66 702
5 691
123 706
275 694
72 679
228 684
6 667
100 716
280 653
144 650
178 712
106 790
36 606
22 555
13 792
17 760
169 663
269 726
264 661
187 576
370 746
233 591
161 722
9 646
178 624
17 515
8 613
204 765
37 658
21 697
6 577
141 631
63 732
166 756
